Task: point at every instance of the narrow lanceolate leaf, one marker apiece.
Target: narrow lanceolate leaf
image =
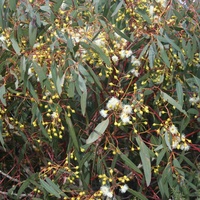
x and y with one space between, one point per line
49 188
1 137
23 187
168 140
174 103
118 8
83 102
129 163
120 33
54 186
137 194
72 132
98 131
2 92
15 45
32 32
179 91
145 157
12 4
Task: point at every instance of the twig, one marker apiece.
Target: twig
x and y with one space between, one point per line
9 177
14 194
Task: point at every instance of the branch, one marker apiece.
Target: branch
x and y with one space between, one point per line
9 177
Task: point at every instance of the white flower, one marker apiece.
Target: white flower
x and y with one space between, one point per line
135 72
127 109
135 61
162 2
30 71
184 146
54 115
122 53
151 10
99 42
49 75
124 188
2 38
156 19
194 99
175 142
36 45
173 130
125 118
113 104
115 58
128 53
106 191
116 35
103 113
63 6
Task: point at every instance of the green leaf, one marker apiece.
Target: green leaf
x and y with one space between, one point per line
71 89
185 121
46 8
95 77
86 158
193 111
15 45
152 54
32 91
57 5
98 131
54 186
2 93
178 167
174 103
129 163
49 188
120 33
137 194
172 43
160 156
32 32
144 15
25 184
83 102
72 132
118 8
12 4
179 91
163 53
168 140
1 137
59 85
81 83
145 157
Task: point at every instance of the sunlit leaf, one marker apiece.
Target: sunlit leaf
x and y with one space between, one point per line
98 131
15 45
145 157
179 91
118 7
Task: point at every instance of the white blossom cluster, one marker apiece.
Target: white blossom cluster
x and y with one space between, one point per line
106 191
114 104
179 141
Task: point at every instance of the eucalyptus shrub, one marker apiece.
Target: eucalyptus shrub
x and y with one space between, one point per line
99 99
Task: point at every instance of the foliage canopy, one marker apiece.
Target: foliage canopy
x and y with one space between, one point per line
99 99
